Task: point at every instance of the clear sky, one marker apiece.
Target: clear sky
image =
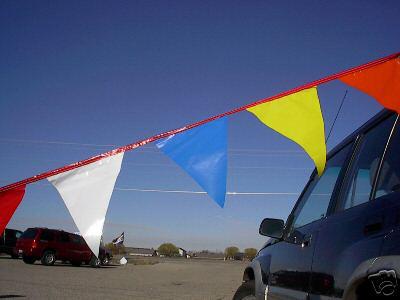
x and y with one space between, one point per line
79 78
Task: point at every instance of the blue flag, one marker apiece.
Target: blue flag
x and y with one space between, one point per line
202 153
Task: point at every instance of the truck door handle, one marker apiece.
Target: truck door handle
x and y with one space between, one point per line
306 241
372 227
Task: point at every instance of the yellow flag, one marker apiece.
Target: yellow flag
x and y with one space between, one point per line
299 118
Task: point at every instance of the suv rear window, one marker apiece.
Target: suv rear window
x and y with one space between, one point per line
366 164
47 235
30 233
77 239
64 237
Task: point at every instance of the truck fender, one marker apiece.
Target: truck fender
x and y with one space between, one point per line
370 267
255 272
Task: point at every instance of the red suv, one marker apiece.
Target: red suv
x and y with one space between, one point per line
50 245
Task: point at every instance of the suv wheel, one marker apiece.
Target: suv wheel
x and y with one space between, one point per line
94 262
48 258
28 260
246 291
105 260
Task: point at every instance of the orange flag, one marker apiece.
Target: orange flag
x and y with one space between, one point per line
381 82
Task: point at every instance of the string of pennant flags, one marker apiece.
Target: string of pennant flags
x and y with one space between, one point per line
200 149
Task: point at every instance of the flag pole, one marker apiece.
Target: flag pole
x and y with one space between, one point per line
143 142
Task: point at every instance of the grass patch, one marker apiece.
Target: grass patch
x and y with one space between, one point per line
142 261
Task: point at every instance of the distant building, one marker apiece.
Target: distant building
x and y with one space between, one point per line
146 252
183 252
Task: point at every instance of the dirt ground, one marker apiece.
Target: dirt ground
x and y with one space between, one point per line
167 279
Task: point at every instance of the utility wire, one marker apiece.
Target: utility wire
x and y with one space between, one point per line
185 191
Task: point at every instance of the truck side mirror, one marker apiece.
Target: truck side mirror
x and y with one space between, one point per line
272 228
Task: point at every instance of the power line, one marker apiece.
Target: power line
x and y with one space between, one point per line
188 191
201 192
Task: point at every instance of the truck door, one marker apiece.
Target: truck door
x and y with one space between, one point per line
354 233
388 192
291 259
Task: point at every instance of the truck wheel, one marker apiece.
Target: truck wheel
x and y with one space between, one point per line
246 291
48 258
28 260
94 262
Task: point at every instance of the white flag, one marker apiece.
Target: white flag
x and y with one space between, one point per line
86 192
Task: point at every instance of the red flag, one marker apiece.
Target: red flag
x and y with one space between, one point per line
9 201
381 82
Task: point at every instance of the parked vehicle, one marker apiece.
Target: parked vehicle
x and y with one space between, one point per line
49 245
105 255
342 238
8 240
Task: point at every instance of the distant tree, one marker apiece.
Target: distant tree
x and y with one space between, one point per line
115 249
168 249
230 252
250 253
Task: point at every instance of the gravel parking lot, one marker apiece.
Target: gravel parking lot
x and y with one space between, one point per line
168 279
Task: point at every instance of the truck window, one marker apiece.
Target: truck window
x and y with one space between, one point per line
315 201
366 164
389 177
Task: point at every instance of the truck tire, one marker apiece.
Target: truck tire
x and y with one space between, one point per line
246 291
28 260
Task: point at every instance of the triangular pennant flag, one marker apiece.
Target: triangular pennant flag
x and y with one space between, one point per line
86 192
299 118
202 153
381 82
119 240
9 201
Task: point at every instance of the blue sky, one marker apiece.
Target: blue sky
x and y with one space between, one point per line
82 77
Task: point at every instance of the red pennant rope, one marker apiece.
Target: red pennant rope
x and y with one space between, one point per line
9 201
188 127
381 82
